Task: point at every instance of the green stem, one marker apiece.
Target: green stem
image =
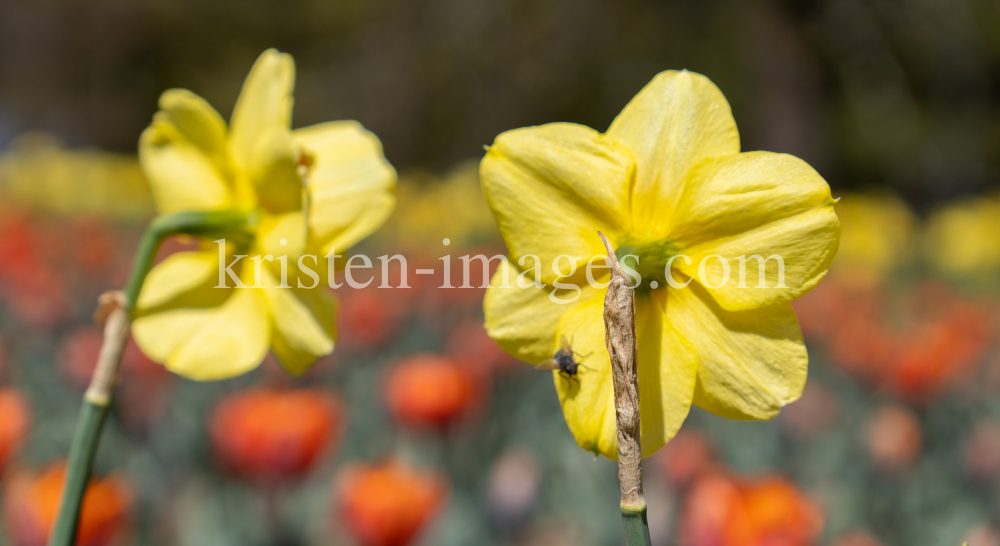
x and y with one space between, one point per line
81 456
97 401
204 224
636 528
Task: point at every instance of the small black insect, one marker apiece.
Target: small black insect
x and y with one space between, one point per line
564 361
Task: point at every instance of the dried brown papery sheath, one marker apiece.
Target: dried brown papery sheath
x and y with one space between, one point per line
619 323
113 316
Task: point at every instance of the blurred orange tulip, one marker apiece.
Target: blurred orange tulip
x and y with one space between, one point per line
469 342
31 502
14 424
269 436
894 437
724 511
914 344
389 504
941 349
430 390
29 279
686 456
368 317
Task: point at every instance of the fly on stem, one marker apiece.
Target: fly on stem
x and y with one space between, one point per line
619 323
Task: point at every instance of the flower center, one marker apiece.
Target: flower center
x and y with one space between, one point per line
648 258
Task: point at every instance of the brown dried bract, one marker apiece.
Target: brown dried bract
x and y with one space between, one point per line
619 323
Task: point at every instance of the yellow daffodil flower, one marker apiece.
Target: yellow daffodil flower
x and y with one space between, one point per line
667 180
310 190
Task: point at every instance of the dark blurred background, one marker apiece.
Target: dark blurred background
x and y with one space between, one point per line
904 94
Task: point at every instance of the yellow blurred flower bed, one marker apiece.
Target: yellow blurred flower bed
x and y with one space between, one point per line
39 172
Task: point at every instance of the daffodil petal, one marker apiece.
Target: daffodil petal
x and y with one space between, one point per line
200 124
588 400
524 321
756 204
230 341
552 187
160 334
750 363
667 371
678 120
351 185
177 277
178 295
264 103
303 324
182 154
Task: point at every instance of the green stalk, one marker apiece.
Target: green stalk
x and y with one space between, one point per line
97 400
636 528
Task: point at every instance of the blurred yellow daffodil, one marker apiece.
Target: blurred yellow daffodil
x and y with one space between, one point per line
310 191
432 209
879 237
666 181
963 238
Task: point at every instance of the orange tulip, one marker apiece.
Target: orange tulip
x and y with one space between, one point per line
724 511
13 425
31 503
430 390
273 435
389 504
